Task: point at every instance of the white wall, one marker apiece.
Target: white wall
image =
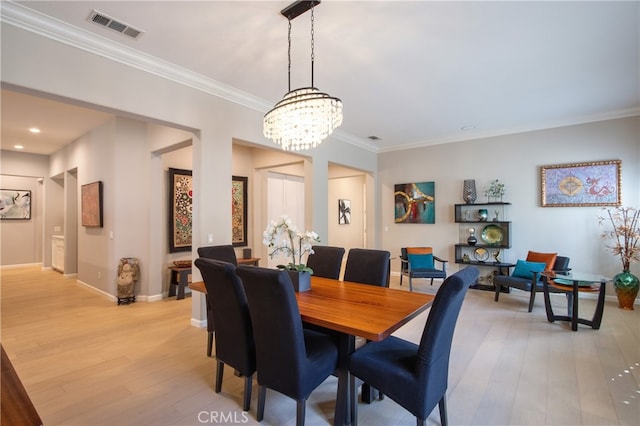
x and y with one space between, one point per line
22 238
351 235
516 161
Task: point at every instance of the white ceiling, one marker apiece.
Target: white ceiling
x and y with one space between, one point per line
411 73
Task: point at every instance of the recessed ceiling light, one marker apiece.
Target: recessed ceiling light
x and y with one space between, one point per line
18 146
34 130
466 128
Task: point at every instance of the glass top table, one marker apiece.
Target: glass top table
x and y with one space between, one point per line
572 283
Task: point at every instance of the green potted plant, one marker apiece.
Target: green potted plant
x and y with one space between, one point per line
624 237
494 191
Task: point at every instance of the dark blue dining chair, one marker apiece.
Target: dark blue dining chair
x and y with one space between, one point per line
326 261
368 266
235 346
290 359
225 253
416 376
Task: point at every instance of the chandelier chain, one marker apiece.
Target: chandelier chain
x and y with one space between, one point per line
289 56
312 44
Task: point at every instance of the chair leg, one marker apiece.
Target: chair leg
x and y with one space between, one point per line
431 281
246 404
262 396
421 422
401 275
532 299
209 343
410 283
300 411
442 405
219 373
498 289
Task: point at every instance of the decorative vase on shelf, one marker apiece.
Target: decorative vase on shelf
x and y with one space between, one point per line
469 191
301 280
472 240
483 214
626 285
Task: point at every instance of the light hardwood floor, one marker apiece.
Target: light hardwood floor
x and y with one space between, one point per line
86 361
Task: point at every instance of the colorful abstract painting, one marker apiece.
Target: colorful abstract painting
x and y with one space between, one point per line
15 204
415 202
581 184
239 211
180 210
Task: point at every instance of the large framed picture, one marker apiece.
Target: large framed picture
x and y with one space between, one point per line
91 195
239 211
581 184
415 202
15 204
180 209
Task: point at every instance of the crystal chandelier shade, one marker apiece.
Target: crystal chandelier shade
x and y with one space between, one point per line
305 116
303 119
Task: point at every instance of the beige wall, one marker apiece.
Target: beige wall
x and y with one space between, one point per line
516 160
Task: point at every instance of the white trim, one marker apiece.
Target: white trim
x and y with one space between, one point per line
23 265
97 290
198 323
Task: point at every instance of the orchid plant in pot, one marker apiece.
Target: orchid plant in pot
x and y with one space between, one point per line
624 237
282 237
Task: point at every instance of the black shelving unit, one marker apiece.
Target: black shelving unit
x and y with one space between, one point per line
466 215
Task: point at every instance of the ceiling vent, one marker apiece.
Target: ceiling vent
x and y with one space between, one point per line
107 21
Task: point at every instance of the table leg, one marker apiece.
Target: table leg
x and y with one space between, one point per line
597 315
182 283
574 307
344 414
547 300
173 279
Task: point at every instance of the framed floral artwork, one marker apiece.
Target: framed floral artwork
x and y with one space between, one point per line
239 211
180 210
91 208
581 184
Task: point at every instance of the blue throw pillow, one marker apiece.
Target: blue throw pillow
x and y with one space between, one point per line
421 261
526 269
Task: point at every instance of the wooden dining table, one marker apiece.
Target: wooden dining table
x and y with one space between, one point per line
353 310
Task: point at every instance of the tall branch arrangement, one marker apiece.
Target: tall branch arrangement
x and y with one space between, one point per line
624 235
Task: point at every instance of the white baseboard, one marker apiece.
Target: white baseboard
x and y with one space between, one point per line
97 290
23 265
198 323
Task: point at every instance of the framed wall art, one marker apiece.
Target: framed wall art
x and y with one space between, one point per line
415 202
344 212
91 207
239 211
180 210
15 204
581 184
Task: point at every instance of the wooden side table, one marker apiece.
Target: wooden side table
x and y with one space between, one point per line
573 284
253 261
179 278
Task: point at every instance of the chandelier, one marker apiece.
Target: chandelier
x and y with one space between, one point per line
306 116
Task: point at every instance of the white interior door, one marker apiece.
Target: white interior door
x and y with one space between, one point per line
285 195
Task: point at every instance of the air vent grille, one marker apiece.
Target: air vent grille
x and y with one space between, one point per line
107 21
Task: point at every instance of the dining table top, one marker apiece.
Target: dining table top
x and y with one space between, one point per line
367 311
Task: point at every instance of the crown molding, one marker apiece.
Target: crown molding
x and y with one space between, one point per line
46 26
